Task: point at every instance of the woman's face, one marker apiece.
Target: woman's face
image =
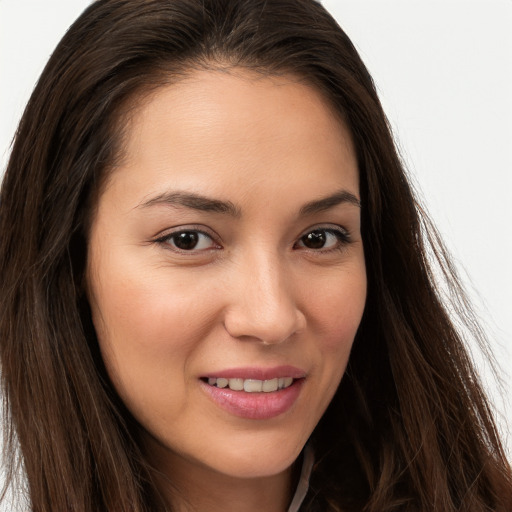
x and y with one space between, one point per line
226 273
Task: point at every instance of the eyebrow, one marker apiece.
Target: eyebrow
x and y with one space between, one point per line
194 201
207 204
326 203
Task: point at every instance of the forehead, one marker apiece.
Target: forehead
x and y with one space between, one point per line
240 127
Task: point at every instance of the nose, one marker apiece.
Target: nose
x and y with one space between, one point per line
262 302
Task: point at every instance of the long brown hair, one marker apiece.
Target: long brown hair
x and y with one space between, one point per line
409 428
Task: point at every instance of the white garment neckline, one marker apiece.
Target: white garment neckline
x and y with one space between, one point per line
303 485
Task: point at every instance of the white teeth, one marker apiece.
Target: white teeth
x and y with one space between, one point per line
252 385
222 383
236 384
287 382
270 385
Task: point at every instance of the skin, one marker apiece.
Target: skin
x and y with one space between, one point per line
253 292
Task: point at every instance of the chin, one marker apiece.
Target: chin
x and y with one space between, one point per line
257 461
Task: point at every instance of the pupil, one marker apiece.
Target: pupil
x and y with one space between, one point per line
314 240
186 240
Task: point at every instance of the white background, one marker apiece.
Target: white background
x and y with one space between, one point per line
444 73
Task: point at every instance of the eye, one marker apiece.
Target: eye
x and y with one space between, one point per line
188 240
323 239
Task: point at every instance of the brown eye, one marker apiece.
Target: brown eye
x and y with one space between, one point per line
188 240
315 239
321 239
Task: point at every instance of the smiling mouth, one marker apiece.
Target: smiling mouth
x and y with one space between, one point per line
254 398
251 385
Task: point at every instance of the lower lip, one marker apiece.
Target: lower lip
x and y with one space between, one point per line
255 406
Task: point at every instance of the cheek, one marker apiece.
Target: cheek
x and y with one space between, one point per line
146 338
337 310
148 311
147 329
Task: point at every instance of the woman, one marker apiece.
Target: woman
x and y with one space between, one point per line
214 272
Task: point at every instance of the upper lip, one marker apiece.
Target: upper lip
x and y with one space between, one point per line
258 373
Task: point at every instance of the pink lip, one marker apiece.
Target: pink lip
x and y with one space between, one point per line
255 406
258 373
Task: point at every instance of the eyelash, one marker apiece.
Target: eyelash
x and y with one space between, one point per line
166 239
341 234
